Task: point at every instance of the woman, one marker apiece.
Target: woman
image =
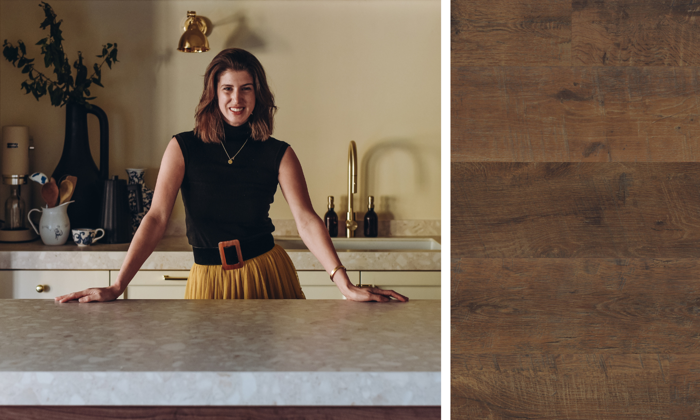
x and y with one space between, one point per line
228 169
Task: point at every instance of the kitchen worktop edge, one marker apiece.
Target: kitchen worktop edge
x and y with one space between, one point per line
174 253
220 388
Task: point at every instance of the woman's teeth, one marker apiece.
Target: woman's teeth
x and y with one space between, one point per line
236 109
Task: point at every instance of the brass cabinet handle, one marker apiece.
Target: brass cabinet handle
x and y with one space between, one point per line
365 285
166 277
40 288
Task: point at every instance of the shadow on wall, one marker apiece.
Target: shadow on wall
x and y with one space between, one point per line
242 36
378 155
131 129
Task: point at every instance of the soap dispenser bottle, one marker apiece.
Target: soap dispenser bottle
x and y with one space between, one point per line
331 219
371 222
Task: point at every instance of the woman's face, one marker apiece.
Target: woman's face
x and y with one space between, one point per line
236 96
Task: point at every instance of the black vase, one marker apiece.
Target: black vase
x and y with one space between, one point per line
77 160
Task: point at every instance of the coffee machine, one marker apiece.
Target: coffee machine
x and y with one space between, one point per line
15 171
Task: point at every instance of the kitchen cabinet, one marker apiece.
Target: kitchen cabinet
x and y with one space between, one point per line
171 284
413 284
317 284
23 284
155 284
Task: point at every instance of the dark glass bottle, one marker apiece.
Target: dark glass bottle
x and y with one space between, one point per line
331 219
371 222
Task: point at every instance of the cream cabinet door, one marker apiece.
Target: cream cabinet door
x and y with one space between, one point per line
155 284
412 284
31 284
317 285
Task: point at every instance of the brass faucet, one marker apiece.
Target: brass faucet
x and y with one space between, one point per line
350 223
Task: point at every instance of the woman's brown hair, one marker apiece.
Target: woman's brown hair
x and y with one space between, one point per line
209 123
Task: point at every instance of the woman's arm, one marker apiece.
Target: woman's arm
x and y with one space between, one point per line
149 233
314 234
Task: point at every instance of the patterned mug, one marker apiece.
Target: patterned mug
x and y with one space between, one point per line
85 237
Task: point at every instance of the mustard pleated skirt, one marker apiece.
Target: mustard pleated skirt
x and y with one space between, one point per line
268 276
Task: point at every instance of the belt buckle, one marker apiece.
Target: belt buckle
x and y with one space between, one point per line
229 244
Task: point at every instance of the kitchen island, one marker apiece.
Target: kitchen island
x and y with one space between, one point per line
285 353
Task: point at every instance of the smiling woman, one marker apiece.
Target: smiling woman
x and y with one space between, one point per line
227 200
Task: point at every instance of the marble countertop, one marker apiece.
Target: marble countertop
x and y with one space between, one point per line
174 253
245 352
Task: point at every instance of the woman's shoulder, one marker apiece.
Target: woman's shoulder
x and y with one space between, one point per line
274 143
188 136
276 148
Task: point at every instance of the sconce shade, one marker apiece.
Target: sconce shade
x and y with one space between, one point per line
194 40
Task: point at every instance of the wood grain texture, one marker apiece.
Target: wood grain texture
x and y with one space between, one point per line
685 386
575 387
219 413
636 32
575 114
584 210
507 32
575 306
574 284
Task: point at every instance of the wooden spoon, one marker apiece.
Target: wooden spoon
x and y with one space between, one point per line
73 180
65 191
49 192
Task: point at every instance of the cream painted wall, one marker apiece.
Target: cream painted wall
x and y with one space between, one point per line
367 71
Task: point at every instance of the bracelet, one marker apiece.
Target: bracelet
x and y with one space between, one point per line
336 269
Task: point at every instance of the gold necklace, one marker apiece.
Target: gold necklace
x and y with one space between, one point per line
230 159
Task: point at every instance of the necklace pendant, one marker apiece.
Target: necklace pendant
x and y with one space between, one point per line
230 161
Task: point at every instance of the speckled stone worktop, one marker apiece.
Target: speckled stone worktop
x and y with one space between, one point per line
174 253
246 352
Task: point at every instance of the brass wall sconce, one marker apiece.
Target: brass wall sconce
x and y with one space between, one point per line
194 38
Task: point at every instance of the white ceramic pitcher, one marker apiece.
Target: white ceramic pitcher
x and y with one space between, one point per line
54 226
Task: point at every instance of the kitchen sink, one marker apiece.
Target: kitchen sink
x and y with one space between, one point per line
368 244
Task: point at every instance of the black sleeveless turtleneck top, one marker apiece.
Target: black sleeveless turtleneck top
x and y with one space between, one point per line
225 202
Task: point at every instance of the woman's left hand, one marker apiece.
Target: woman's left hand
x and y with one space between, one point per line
368 294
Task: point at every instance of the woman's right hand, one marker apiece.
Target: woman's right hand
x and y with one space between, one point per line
367 294
94 294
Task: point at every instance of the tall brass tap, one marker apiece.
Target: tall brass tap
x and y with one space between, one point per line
350 221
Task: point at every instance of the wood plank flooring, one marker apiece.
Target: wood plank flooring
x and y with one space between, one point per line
614 210
575 166
556 387
635 32
511 32
575 114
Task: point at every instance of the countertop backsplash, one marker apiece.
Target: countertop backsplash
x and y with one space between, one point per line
387 228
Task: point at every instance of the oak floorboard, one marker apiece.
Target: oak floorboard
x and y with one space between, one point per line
575 210
685 386
575 114
555 386
575 306
508 32
635 32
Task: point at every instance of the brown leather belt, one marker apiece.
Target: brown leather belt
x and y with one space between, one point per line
232 254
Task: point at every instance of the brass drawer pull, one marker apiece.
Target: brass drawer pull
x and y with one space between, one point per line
41 288
365 286
166 277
